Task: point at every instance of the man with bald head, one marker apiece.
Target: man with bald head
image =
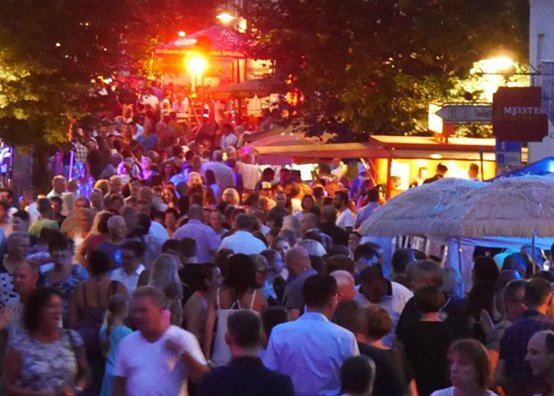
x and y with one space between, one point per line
309 223
540 355
346 287
300 268
207 241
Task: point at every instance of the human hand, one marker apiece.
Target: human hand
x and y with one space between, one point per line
173 347
6 315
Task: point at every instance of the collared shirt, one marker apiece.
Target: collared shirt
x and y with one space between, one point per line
206 239
345 219
311 350
129 280
394 303
513 349
243 242
364 213
293 293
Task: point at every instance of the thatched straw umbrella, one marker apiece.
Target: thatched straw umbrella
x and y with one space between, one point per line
510 207
411 212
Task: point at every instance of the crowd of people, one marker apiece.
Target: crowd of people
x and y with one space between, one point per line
185 271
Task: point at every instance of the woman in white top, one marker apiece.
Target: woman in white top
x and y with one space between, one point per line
237 292
470 370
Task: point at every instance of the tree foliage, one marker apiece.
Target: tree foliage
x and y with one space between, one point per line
370 66
51 49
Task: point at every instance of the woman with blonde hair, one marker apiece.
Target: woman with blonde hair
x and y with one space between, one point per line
164 276
231 196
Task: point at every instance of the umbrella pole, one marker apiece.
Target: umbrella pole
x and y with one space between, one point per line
533 254
459 249
481 160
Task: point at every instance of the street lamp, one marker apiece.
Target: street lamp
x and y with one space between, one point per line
501 65
196 64
225 18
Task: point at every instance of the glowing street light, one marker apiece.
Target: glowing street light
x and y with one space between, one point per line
196 64
181 34
501 64
225 18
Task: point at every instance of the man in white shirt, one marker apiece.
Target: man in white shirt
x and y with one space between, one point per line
345 219
392 296
58 187
131 256
242 241
158 358
30 196
311 349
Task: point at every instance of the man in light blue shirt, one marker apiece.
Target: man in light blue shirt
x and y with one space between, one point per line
311 349
207 241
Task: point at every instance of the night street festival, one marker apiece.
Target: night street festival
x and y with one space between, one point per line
309 198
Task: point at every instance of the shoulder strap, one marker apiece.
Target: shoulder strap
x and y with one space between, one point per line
217 300
253 299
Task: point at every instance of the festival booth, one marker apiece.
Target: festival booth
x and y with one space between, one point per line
215 67
507 213
391 157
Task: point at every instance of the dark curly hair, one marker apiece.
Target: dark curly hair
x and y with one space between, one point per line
35 305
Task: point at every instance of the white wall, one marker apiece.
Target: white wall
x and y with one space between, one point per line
541 48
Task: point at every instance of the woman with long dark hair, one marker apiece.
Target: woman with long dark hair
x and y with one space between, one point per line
238 292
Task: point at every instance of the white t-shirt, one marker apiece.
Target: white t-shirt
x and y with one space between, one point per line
450 392
153 370
345 219
158 231
243 242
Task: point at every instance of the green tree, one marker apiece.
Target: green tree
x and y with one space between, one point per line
368 66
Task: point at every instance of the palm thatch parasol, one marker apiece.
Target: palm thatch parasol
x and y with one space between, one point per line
411 212
511 207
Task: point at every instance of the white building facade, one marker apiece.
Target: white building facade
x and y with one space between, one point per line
541 58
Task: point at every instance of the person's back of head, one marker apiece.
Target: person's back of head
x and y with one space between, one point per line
401 258
319 291
340 262
538 294
245 222
347 316
429 299
485 269
196 212
244 330
442 169
424 273
373 195
44 207
328 214
271 317
376 322
357 376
